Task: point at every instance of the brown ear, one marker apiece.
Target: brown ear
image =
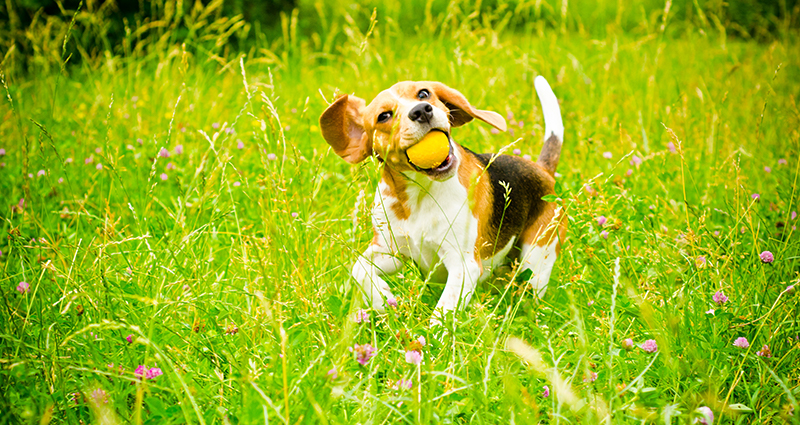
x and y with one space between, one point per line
461 112
343 129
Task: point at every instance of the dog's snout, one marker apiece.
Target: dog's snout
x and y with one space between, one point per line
422 113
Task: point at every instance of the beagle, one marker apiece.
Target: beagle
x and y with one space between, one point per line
462 218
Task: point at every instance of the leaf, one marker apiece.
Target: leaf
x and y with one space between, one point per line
739 407
524 276
156 407
549 198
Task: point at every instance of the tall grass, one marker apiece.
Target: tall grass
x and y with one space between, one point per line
187 202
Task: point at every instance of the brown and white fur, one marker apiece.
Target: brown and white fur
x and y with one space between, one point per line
457 221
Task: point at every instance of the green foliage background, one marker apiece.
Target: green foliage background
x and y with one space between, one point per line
227 261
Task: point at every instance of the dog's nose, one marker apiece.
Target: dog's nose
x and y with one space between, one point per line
422 113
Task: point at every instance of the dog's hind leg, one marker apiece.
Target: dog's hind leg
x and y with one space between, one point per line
541 245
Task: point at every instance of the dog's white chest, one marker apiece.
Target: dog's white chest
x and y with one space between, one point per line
439 221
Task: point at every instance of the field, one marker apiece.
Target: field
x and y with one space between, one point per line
177 235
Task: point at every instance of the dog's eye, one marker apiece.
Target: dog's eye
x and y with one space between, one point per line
384 116
423 94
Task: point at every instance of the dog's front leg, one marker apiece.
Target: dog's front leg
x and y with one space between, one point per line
375 262
463 272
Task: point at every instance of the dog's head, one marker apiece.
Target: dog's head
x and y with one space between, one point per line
397 119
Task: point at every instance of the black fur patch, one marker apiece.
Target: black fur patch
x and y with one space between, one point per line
512 209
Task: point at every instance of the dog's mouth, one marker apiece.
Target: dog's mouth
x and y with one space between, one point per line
444 166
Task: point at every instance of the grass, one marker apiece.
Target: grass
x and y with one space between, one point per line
227 264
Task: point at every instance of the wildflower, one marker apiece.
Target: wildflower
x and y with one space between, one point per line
528 157
135 99
741 342
590 303
414 357
604 234
392 302
627 344
764 352
494 131
140 371
607 155
361 316
517 152
671 147
719 298
170 166
421 341
215 125
635 160
782 161
272 156
650 346
237 184
546 392
767 169
99 166
295 215
23 287
756 196
140 141
153 373
789 289
99 396
88 160
706 416
239 144
710 311
628 173
590 190
98 150
163 153
178 149
68 160
129 338
164 176
767 257
364 353
793 215
333 373
2 152
403 384
601 220
186 288
591 377
700 261
41 173
231 330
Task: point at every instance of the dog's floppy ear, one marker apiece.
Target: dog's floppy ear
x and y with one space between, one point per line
343 129
461 112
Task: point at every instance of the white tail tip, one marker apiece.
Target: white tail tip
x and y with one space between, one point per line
550 109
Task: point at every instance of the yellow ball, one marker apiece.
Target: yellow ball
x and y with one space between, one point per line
431 151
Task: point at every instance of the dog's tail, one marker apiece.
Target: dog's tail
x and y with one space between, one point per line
553 126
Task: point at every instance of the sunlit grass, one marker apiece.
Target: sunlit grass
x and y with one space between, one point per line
225 262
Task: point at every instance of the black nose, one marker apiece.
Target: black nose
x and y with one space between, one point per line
422 113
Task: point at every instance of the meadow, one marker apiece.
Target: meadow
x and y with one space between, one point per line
177 235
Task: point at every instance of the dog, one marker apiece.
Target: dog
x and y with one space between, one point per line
461 219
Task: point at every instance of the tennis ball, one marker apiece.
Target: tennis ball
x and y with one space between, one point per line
431 151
